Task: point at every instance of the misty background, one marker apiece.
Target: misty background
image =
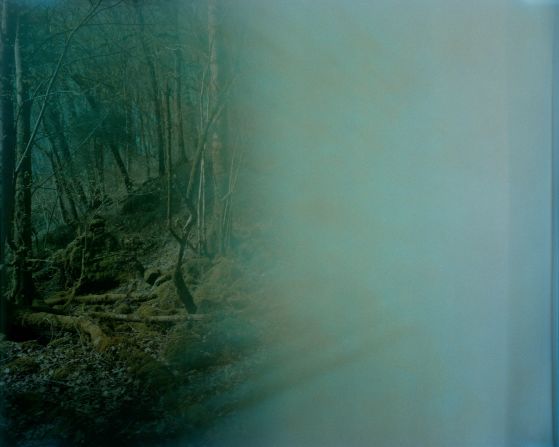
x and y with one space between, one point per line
404 151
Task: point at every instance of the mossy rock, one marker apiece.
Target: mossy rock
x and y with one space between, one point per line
96 260
148 370
62 373
178 346
167 298
188 352
201 356
221 281
23 366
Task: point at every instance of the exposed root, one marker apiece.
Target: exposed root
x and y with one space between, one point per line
100 299
152 319
46 322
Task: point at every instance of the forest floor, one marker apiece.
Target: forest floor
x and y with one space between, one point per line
143 381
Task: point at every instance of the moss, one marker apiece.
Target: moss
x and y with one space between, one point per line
96 260
23 366
189 352
154 374
148 310
123 308
145 368
167 298
62 373
162 279
151 275
221 281
178 345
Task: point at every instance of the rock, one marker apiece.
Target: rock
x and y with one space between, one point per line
94 262
167 299
151 275
162 279
23 366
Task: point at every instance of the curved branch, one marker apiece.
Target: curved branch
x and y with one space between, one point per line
53 77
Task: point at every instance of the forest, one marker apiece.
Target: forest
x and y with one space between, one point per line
121 286
293 223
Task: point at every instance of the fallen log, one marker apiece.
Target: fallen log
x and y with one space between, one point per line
151 319
106 298
47 322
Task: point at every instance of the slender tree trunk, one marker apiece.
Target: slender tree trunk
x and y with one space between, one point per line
7 142
24 288
217 153
169 164
178 280
144 141
179 119
179 123
55 124
62 182
127 121
121 166
64 214
158 115
65 186
169 123
99 166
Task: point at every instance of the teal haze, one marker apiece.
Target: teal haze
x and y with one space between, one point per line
406 150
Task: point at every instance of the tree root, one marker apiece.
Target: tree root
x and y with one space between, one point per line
153 319
46 322
107 298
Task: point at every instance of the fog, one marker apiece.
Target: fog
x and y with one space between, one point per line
406 156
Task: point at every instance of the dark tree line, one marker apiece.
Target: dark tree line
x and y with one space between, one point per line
98 96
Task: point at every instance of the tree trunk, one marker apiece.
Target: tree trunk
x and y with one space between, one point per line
55 124
217 153
24 287
98 197
158 115
60 191
179 123
62 183
178 280
121 167
7 142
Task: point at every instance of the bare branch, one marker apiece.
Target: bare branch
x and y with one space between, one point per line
53 77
